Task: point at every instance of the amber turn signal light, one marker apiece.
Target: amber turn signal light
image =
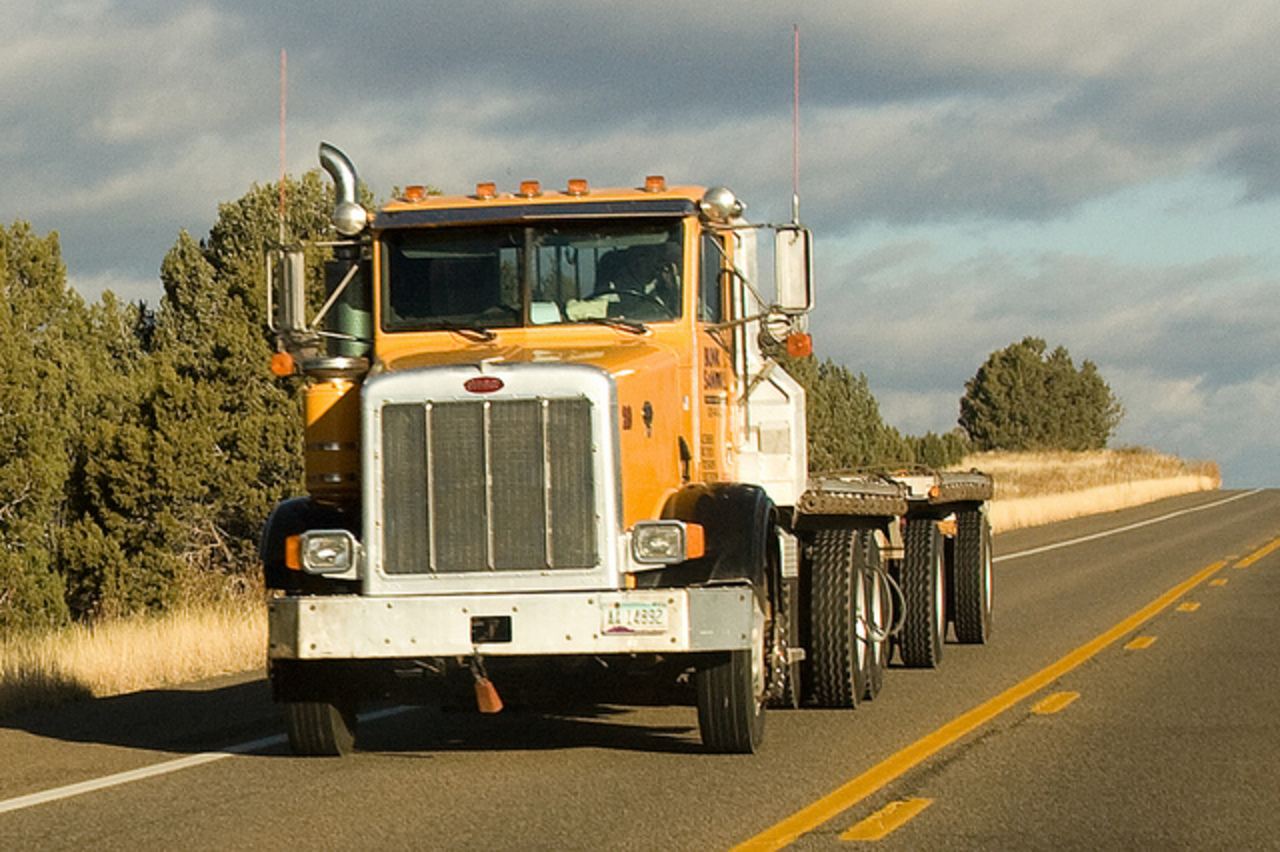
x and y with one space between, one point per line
799 345
293 553
282 364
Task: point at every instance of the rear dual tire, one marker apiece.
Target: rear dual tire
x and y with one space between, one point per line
847 594
924 625
972 577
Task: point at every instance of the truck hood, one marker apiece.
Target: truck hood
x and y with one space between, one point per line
618 361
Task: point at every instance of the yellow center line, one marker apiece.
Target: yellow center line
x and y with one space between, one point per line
1140 642
1258 554
890 769
887 820
1054 703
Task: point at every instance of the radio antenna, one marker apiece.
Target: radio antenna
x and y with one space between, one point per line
795 128
283 93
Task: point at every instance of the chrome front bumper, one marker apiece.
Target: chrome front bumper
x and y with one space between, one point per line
545 623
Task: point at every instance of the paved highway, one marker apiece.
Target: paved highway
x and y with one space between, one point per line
1129 698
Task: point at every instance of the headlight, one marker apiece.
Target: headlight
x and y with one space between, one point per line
329 551
666 542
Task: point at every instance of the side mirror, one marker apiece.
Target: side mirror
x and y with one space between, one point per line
286 292
793 269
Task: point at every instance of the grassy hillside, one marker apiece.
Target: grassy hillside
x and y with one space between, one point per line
1040 488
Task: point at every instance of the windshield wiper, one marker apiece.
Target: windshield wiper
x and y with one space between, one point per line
470 332
632 326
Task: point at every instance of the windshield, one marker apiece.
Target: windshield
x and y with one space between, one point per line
505 276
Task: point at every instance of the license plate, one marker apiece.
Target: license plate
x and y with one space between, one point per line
635 617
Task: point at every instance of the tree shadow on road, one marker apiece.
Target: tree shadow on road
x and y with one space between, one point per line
226 712
198 717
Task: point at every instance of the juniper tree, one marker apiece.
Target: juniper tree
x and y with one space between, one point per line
1026 398
41 388
177 487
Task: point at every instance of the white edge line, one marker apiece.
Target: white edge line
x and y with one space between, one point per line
177 765
1125 528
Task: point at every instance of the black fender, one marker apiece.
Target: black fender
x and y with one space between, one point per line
292 517
738 521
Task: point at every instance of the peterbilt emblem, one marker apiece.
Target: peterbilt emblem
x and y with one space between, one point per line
483 384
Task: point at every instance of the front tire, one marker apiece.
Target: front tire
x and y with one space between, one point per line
319 702
319 728
731 701
733 687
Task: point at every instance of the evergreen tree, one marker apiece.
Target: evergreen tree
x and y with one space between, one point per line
1025 398
940 451
101 577
204 439
41 389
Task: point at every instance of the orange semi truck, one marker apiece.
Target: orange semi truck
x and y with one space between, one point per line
550 454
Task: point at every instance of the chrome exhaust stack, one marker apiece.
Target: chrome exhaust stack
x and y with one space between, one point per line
349 218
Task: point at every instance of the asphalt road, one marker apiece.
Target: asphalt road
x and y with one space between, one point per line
1171 742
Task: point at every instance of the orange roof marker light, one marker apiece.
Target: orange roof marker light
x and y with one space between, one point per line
486 191
655 183
577 187
530 188
415 193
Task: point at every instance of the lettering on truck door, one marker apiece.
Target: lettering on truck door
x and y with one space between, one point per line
715 365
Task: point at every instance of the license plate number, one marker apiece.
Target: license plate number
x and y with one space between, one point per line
635 617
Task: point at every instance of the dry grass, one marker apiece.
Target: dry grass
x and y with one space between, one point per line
1040 488
127 655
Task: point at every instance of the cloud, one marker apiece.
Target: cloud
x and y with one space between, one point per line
125 289
914 112
1187 349
974 172
1196 420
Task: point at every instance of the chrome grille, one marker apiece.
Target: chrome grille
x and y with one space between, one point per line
499 485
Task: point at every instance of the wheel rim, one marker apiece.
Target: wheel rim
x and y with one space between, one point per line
876 596
986 569
759 670
939 595
861 635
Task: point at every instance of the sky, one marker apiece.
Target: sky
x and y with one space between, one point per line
1102 174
